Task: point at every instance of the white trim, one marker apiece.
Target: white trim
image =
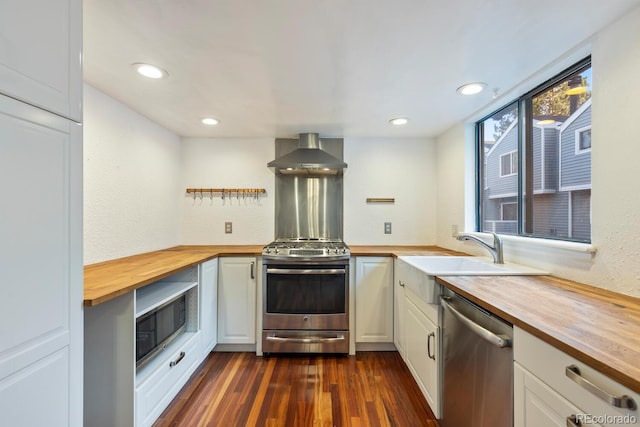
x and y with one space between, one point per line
503 136
578 150
570 215
549 243
503 195
542 162
572 118
576 187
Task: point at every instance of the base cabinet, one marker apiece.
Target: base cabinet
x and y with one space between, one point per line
374 299
208 275
237 282
116 392
537 404
550 389
422 353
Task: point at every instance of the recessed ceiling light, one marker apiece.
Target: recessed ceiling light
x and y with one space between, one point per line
210 121
471 88
399 121
150 71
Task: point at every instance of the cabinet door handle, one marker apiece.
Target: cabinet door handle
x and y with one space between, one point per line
432 334
401 283
253 273
624 401
572 421
178 360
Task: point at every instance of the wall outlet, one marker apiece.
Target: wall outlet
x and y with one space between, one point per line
454 230
387 228
228 227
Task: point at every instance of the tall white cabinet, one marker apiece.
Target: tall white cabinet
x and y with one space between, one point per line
41 213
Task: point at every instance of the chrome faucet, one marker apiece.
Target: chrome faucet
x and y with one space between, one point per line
495 250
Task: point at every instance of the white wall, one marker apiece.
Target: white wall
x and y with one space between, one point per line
131 181
227 163
615 156
402 168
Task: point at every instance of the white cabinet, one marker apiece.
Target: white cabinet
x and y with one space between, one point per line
401 274
374 299
117 393
422 348
40 260
537 404
237 281
549 391
417 332
208 275
40 54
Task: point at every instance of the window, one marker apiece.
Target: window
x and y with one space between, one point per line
533 177
509 164
509 211
583 140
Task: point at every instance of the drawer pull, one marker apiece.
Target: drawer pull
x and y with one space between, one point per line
572 421
178 360
432 334
624 401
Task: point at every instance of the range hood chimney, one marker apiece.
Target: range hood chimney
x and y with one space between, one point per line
308 159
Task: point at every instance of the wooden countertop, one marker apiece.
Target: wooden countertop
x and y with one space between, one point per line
107 280
598 327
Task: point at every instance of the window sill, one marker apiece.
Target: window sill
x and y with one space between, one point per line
549 243
543 243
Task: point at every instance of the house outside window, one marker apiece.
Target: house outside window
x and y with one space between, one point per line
534 161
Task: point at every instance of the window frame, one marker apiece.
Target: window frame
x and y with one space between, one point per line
579 132
524 152
512 164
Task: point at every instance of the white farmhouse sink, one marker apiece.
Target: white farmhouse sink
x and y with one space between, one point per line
466 266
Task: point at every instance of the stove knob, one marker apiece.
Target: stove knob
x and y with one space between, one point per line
344 251
268 250
276 250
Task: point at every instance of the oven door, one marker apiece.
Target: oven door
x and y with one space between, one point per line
306 296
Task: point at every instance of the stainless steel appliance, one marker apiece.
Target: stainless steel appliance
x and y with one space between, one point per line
305 296
156 329
478 366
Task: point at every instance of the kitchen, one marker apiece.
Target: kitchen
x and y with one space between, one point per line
136 171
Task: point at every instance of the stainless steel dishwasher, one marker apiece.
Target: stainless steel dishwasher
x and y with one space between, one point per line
477 382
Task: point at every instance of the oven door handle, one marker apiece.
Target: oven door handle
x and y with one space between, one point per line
307 340
306 271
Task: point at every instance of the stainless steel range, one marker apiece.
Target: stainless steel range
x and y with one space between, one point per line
305 295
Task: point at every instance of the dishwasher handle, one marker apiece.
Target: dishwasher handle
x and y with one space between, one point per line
497 340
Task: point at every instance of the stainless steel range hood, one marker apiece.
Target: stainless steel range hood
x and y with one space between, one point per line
308 159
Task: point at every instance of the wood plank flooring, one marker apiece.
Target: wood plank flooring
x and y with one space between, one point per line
242 389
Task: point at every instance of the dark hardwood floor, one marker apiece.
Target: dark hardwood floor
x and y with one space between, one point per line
242 389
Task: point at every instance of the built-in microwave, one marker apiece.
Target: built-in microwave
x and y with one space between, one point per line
156 329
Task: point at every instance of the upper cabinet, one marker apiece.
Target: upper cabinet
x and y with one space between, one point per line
41 54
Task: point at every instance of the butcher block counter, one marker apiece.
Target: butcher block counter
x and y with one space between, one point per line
598 327
106 280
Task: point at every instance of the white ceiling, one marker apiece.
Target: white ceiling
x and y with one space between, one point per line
337 67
